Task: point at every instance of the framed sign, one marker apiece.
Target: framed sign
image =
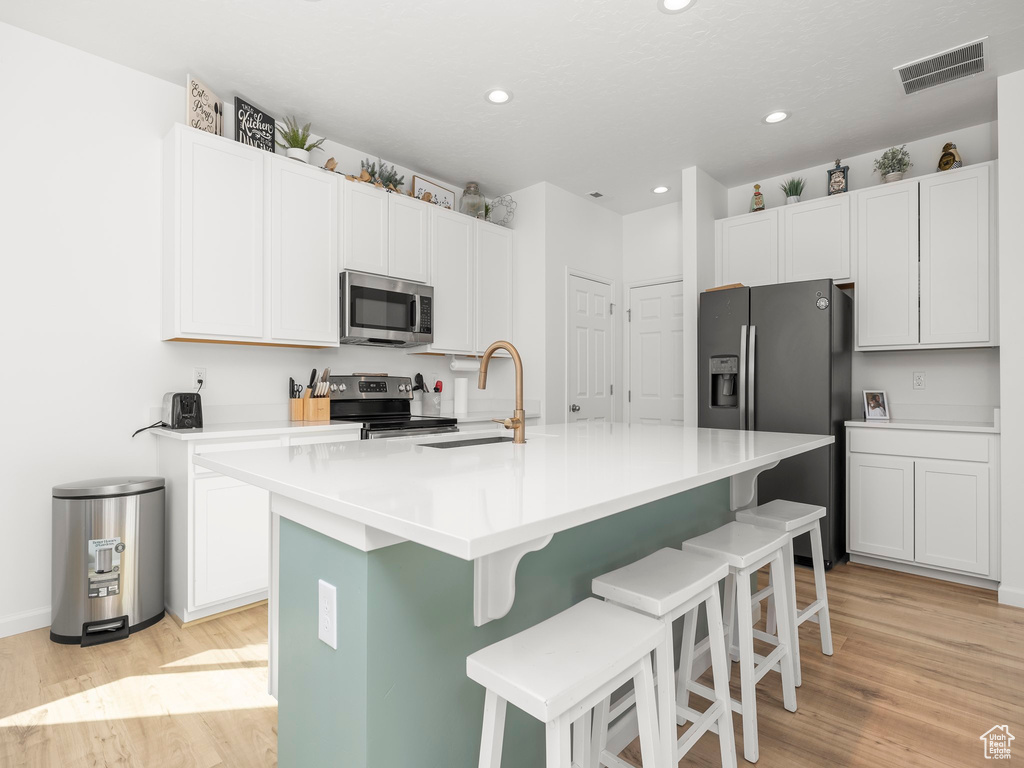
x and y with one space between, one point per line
253 126
203 110
838 179
438 194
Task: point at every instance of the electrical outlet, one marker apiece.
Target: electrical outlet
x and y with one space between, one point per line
327 614
199 374
918 379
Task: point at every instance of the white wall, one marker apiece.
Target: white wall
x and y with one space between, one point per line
80 235
1011 320
976 144
651 244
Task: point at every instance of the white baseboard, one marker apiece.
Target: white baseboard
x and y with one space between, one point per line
26 621
1014 597
923 570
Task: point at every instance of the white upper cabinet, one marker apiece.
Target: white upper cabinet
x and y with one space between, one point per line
748 249
408 241
213 238
816 240
303 253
887 253
453 255
365 227
955 282
494 254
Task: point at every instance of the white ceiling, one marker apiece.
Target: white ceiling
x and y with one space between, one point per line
610 95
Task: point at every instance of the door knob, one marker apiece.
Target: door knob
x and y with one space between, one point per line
574 408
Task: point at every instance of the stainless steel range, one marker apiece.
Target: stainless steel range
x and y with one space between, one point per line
382 404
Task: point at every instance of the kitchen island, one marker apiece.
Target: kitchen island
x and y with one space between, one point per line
436 553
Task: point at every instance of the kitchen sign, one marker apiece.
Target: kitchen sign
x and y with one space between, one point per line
203 110
253 127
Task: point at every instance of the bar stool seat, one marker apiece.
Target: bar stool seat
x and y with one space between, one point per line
796 519
559 670
669 584
746 548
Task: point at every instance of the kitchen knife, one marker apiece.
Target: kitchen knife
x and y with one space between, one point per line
312 381
291 388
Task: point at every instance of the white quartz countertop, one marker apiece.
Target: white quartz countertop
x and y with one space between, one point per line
927 424
474 501
254 429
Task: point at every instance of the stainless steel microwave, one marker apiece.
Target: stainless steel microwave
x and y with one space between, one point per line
381 312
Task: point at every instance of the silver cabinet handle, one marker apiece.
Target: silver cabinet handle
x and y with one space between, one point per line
743 377
750 375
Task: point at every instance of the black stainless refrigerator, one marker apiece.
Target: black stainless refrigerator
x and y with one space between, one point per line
776 358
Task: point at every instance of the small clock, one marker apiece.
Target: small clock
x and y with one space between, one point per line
838 179
950 158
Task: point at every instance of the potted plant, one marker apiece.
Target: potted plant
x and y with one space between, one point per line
296 143
792 189
893 163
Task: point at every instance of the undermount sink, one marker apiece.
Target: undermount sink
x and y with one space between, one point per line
468 442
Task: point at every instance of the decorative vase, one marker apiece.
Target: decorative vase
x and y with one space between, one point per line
890 177
757 201
295 153
792 199
472 201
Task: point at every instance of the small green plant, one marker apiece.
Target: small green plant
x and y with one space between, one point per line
384 173
894 160
295 137
792 187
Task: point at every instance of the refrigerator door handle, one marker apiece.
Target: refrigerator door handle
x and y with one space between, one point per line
752 348
743 377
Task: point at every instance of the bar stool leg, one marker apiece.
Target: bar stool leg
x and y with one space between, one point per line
720 668
666 699
557 742
790 569
600 732
646 711
581 741
686 659
730 616
494 731
820 593
786 631
748 693
770 624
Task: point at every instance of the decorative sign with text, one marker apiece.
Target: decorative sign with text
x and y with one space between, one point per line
203 110
253 127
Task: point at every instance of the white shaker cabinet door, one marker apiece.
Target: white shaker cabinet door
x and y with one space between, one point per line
882 506
220 246
494 253
231 538
953 515
303 253
955 257
365 228
408 241
887 268
816 240
748 249
453 251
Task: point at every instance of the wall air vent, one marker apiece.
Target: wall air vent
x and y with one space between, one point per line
944 67
595 194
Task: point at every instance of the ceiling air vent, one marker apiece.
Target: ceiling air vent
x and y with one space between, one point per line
595 194
944 67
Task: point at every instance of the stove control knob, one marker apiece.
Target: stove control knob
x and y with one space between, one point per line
342 387
334 387
401 387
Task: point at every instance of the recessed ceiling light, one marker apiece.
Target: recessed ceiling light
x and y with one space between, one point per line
498 96
675 6
776 117
660 190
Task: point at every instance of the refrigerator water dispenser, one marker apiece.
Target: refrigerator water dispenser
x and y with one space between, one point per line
724 370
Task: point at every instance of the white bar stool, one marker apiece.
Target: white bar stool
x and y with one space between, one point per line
796 519
667 585
747 548
560 669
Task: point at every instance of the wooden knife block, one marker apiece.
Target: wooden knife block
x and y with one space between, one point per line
296 412
316 409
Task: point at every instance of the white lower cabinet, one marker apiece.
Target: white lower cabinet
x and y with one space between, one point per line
928 500
231 536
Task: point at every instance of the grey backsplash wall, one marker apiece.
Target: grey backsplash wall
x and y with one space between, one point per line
961 384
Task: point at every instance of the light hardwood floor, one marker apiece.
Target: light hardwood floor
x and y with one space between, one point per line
921 669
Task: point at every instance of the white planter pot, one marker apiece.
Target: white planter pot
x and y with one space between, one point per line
297 154
792 199
894 176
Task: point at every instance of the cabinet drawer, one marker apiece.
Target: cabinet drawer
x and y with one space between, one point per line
922 444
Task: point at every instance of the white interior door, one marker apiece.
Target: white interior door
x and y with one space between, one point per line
656 354
589 348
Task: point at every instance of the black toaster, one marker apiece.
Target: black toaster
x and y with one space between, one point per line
183 410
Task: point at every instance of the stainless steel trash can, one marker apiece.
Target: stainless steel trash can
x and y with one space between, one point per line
108 559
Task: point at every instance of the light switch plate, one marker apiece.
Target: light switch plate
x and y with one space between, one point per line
327 614
918 379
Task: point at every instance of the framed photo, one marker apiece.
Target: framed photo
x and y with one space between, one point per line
838 179
876 405
203 110
253 126
438 194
